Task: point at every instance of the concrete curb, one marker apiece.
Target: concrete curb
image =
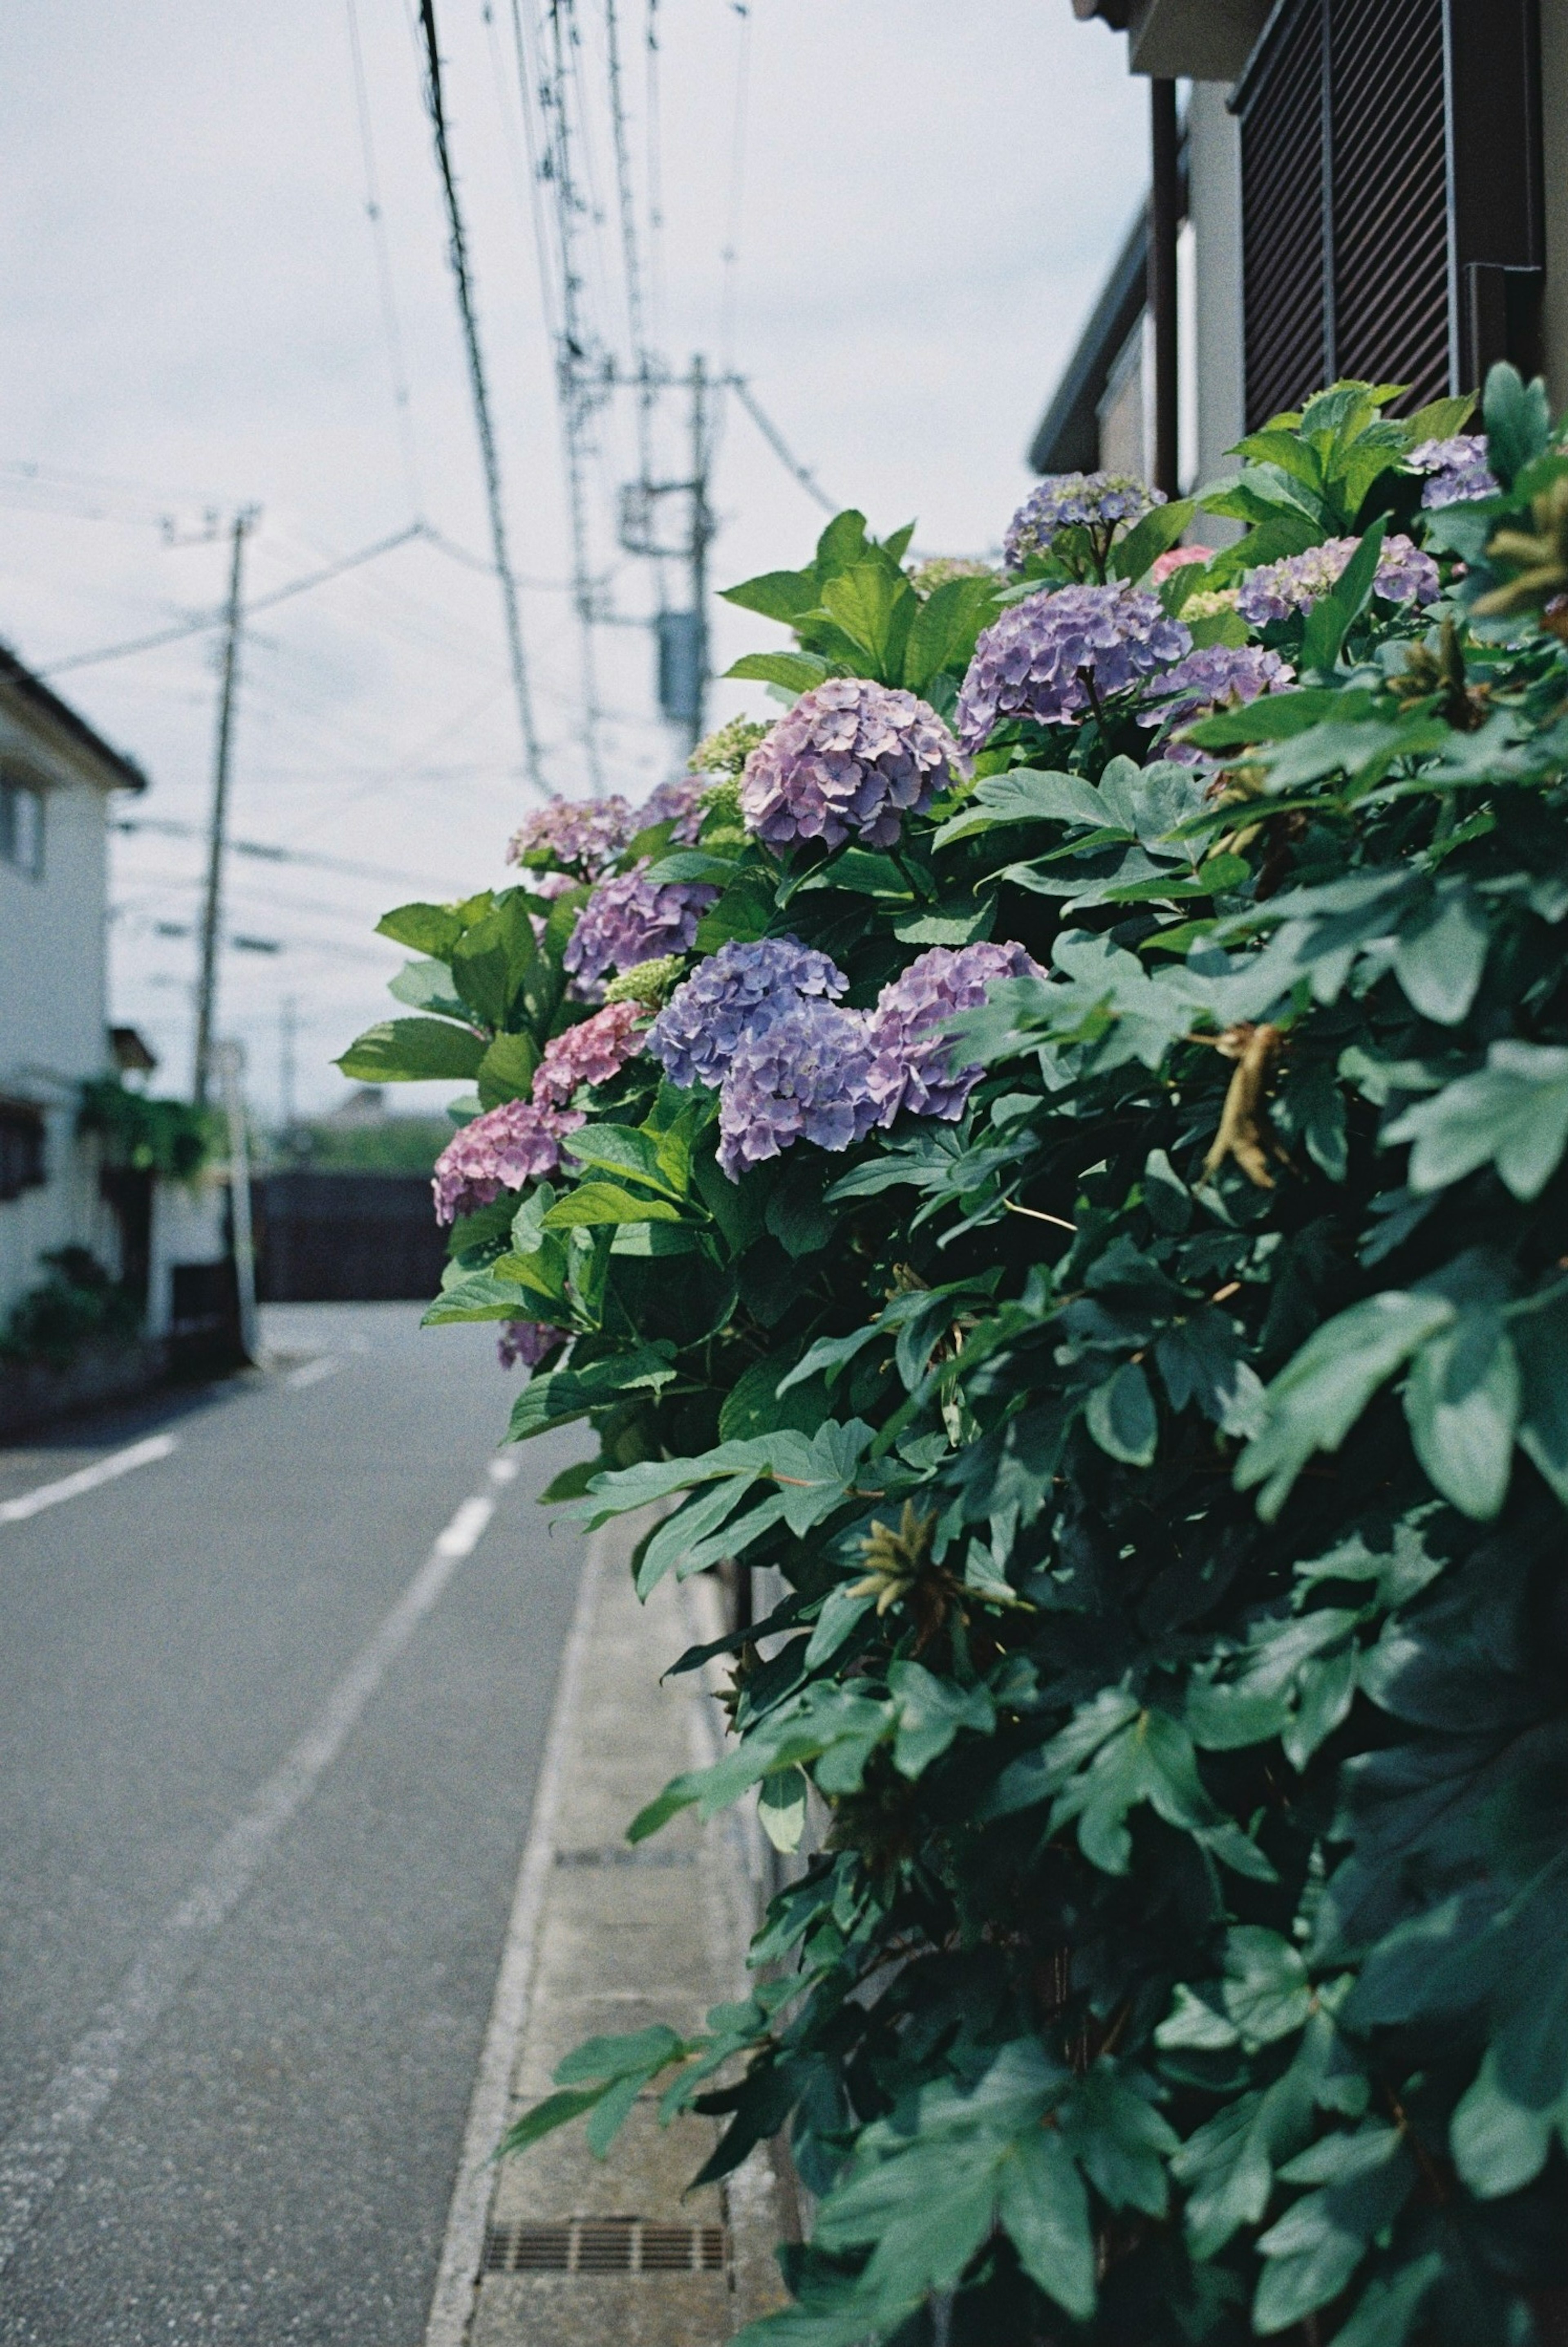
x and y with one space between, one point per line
603 1938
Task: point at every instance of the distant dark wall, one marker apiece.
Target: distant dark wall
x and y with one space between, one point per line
346 1238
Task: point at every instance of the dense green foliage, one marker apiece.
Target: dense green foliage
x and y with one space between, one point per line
1167 1464
74 1304
169 1137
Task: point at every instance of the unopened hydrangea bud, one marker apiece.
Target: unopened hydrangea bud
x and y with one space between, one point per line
504 1149
646 982
910 1047
1052 657
850 757
802 1076
745 987
942 569
725 751
629 918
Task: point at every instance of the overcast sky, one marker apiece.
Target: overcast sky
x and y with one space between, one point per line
920 198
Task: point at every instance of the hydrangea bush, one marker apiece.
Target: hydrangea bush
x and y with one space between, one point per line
1124 1291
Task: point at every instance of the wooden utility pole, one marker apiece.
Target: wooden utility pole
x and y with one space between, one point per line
207 983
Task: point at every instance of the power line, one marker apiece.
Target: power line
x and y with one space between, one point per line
218 618
168 828
458 256
389 318
776 442
641 357
730 255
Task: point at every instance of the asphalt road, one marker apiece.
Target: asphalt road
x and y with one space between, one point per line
267 1751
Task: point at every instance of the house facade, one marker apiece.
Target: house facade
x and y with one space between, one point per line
1369 187
57 781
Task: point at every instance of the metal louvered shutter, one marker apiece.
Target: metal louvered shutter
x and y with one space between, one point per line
1284 254
1388 194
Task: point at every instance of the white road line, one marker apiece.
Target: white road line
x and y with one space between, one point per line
88 1479
36 2155
325 1365
458 2272
505 1470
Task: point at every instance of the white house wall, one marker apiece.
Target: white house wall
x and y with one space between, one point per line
54 1012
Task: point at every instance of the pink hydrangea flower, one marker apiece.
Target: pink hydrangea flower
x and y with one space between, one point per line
504 1149
590 1053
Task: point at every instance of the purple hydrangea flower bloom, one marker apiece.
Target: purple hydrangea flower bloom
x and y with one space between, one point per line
1275 590
849 757
1097 502
801 1077
629 919
509 1146
911 1051
680 802
588 1053
1218 676
581 835
528 1341
1458 469
742 990
1052 656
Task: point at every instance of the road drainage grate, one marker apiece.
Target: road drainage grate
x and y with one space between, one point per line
599 2245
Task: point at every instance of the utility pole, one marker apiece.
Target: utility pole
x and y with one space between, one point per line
701 531
207 983
231 1061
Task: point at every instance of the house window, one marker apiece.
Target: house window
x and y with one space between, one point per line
21 1148
1390 196
21 828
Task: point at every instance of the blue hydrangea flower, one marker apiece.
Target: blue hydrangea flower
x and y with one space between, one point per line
1276 589
1457 469
745 988
1217 676
629 919
801 1077
1099 503
911 1051
850 756
1052 657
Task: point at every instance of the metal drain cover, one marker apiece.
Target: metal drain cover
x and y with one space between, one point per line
599 2245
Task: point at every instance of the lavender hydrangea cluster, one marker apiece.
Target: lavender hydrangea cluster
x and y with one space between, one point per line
850 756
527 1341
742 990
803 1076
591 1053
578 836
1054 656
1277 589
1099 503
1456 468
679 802
1215 676
911 1051
509 1146
629 918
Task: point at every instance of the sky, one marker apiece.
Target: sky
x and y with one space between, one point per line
889 216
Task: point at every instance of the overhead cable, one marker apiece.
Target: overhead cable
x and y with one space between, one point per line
391 327
206 620
457 252
776 442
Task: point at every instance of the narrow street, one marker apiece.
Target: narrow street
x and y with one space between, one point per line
272 1703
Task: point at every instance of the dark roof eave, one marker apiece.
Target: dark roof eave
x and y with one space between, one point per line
124 774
